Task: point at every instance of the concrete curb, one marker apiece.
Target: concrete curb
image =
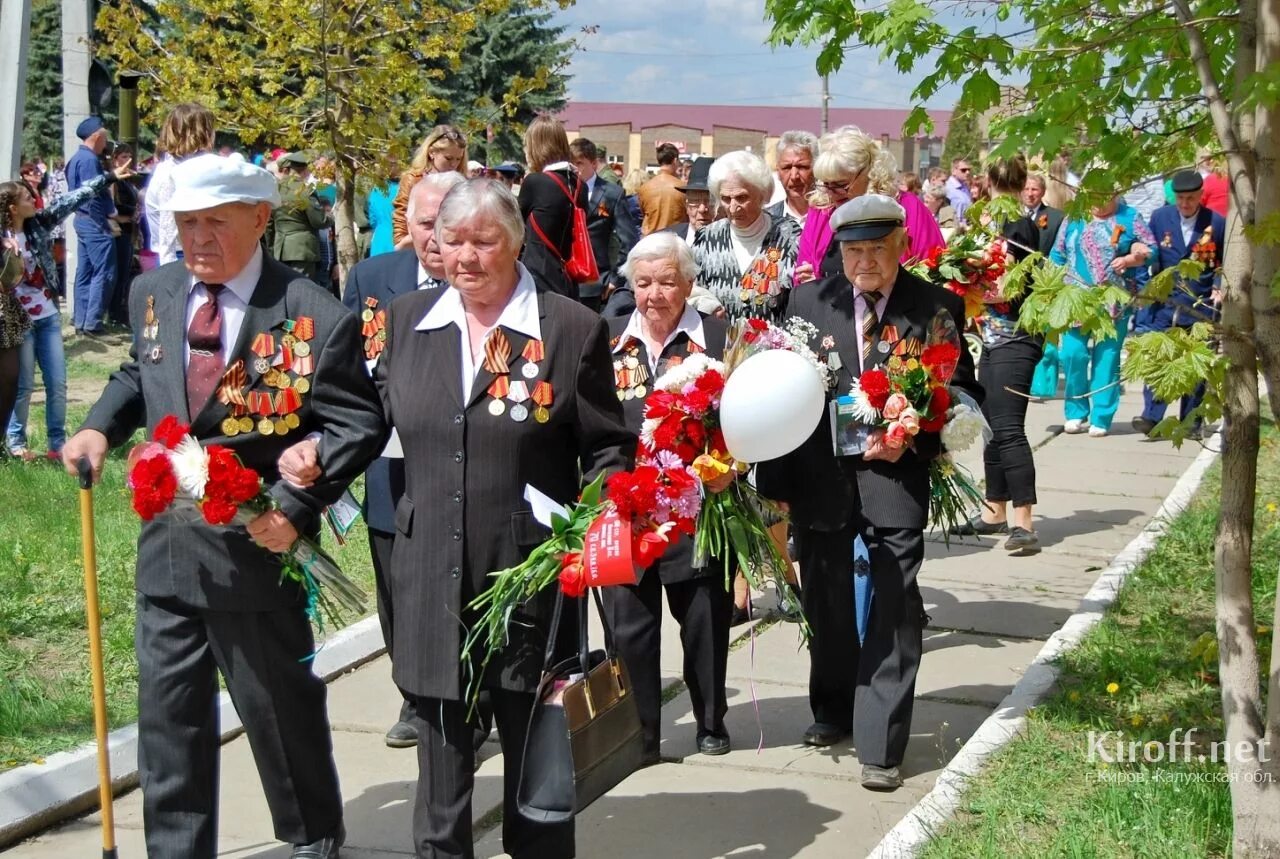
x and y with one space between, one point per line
914 831
35 796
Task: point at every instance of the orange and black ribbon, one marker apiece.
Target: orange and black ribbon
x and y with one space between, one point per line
500 387
534 351
304 328
497 353
264 345
542 394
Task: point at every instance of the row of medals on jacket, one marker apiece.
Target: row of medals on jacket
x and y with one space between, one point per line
757 282
276 411
497 360
630 374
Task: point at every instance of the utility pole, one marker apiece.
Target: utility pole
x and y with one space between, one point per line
15 31
826 101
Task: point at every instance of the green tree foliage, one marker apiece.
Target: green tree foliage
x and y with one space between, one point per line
42 118
964 138
509 72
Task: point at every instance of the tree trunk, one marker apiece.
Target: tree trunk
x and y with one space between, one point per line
344 221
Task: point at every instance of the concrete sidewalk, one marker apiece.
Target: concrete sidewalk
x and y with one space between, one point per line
990 615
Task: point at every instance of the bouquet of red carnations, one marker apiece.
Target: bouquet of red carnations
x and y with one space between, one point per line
972 265
174 474
912 395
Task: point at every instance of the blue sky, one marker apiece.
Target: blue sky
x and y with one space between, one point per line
713 52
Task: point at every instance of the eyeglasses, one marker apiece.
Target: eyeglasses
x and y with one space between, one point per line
841 187
965 169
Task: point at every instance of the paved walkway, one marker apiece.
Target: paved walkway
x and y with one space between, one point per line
991 614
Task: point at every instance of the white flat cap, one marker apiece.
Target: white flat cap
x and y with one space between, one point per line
871 216
206 181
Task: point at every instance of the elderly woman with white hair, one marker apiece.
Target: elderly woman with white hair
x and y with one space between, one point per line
850 164
746 260
663 330
493 386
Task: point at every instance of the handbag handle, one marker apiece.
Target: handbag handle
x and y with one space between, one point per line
584 647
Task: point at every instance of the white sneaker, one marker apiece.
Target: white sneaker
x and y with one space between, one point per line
1096 432
1075 427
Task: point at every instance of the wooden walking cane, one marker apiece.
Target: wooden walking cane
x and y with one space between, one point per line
95 658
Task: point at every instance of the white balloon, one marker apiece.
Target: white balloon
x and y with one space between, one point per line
771 403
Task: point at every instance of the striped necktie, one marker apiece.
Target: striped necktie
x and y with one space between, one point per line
869 324
206 362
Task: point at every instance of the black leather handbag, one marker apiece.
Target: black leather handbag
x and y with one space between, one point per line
584 733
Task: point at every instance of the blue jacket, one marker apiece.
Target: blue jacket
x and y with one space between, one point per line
1166 227
83 167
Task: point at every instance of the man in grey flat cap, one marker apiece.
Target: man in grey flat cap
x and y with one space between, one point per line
254 358
872 310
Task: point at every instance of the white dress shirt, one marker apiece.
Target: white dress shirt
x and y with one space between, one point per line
690 323
1188 228
233 302
426 280
520 314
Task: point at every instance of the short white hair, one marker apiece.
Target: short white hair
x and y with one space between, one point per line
747 167
663 246
442 182
473 200
798 140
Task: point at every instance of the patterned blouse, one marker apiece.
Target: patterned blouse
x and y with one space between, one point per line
1087 248
760 291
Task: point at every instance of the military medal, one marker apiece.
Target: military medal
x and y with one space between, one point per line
518 392
883 347
246 424
534 351
302 349
542 396
231 426
302 385
151 325
519 413
266 427
156 354
367 314
261 366
498 389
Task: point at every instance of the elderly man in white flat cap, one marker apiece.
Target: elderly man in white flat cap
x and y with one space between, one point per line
872 310
253 357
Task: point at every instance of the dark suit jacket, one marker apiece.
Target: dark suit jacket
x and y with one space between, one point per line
543 201
824 491
1049 232
607 219
1170 249
221 568
463 515
676 564
381 279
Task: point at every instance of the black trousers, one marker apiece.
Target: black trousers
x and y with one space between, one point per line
703 607
446 764
380 544
281 702
869 688
1009 466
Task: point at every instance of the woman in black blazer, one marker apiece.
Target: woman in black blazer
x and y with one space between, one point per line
547 197
662 331
492 386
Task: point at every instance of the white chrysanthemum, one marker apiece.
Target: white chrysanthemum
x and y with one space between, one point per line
191 467
863 411
964 426
687 371
801 329
646 430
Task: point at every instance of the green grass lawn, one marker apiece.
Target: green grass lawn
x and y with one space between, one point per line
1147 669
45 703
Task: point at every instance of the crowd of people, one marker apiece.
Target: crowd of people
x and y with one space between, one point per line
496 335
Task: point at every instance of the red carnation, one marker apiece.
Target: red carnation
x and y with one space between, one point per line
875 384
710 382
170 431
933 424
660 404
697 402
941 360
217 511
939 402
155 486
665 435
757 324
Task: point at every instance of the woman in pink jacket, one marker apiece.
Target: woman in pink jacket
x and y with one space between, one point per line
849 165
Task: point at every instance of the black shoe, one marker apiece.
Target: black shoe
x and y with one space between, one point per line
1143 425
329 847
881 778
1196 433
713 744
94 333
1022 542
821 734
403 735
975 527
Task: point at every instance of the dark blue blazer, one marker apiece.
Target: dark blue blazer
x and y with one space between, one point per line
381 278
607 219
1170 249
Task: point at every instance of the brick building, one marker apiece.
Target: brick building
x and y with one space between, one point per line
630 132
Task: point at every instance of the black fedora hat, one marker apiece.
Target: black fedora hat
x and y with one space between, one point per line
698 174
